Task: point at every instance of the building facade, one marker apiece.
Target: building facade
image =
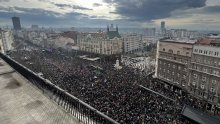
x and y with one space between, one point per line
101 43
205 73
192 66
16 23
172 62
6 40
150 32
132 43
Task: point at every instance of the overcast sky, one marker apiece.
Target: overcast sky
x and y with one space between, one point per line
190 14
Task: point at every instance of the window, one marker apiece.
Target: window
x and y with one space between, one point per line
215 62
164 49
212 89
203 78
202 86
187 53
215 72
170 51
214 82
179 68
174 66
195 76
178 52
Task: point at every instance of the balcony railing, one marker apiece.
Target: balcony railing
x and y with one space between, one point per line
82 111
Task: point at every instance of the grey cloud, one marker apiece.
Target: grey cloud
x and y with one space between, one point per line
207 10
97 4
47 18
72 6
146 10
211 9
4 0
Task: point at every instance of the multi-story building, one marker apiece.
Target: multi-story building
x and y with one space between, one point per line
6 40
150 32
101 43
205 72
163 28
16 23
192 66
182 34
172 61
132 43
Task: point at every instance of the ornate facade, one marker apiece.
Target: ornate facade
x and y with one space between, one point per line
101 43
173 59
205 73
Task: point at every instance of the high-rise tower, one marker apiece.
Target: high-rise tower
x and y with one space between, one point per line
16 23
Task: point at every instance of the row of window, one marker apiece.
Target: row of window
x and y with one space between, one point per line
171 51
204 79
206 60
202 86
206 52
172 65
207 70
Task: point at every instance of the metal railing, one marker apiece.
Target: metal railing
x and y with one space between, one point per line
81 110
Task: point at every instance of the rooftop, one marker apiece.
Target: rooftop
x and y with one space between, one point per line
113 34
22 103
183 41
199 116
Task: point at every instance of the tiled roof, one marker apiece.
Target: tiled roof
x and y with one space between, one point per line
113 34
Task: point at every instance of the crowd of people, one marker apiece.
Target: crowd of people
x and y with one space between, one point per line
116 93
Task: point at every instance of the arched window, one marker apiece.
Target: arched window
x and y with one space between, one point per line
170 51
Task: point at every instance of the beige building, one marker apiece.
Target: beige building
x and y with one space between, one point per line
192 66
101 43
205 73
132 43
172 62
6 40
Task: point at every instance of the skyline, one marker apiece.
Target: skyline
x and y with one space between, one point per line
189 14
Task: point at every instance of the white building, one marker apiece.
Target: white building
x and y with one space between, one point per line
132 43
101 43
182 33
6 40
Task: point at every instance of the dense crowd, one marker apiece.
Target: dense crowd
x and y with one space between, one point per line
116 93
